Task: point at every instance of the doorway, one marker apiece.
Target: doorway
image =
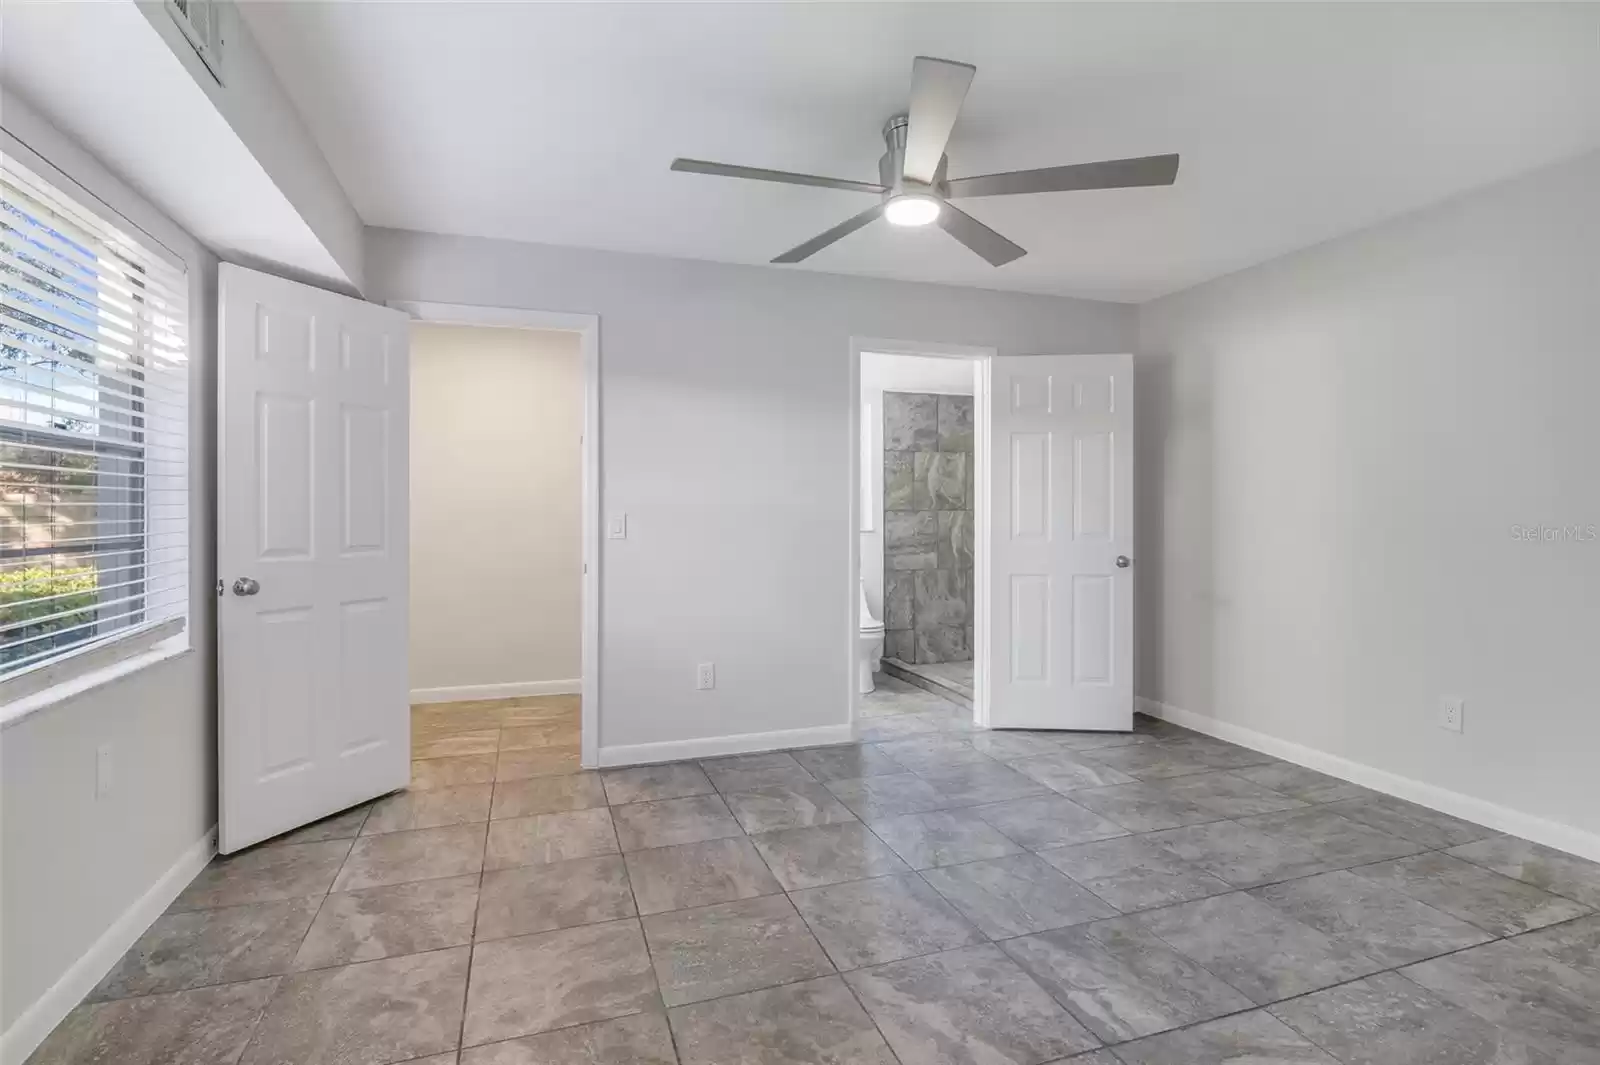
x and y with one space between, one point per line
1048 479
503 621
917 487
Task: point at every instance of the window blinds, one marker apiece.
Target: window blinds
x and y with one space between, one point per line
93 428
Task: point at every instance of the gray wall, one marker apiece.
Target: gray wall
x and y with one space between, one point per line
927 527
1336 451
71 865
727 398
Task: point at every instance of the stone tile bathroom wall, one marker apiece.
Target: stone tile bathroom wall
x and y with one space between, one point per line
927 527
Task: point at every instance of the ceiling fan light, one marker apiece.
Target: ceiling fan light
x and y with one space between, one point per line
913 210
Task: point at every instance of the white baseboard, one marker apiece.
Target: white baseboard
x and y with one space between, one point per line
41 1018
1480 811
713 746
466 693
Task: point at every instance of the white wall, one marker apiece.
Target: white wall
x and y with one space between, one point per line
254 104
1335 449
71 865
726 398
882 373
496 486
242 209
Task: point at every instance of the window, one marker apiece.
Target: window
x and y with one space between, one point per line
93 431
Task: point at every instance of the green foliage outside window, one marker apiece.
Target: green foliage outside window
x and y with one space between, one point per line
22 593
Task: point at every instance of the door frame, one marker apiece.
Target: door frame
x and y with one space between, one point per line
587 326
983 356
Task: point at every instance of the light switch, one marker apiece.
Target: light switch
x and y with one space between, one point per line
617 527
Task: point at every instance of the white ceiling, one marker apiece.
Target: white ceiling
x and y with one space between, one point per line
1296 122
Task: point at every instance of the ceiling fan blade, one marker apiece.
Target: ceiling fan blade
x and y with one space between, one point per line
1110 174
755 173
938 86
838 232
979 237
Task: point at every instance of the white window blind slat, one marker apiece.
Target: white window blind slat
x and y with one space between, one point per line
38 383
93 428
60 333
165 431
72 366
93 253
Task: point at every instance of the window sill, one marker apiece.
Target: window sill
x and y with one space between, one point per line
97 677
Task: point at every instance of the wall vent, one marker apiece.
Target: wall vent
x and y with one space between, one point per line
201 23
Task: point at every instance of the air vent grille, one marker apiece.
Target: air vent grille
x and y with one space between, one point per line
201 22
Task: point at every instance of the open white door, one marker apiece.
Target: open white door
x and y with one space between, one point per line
1060 648
311 554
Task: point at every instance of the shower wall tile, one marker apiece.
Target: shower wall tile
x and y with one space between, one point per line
897 597
955 540
928 527
910 422
941 597
910 540
946 643
955 423
947 479
903 489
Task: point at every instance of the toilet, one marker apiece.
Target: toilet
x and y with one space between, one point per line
869 651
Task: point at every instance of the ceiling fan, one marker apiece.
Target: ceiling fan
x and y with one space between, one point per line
912 183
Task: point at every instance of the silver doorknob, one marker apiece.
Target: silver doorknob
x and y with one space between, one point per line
1123 561
246 586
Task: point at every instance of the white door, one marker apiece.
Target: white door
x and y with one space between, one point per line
311 554
1060 648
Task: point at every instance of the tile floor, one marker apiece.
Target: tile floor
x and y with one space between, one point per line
931 895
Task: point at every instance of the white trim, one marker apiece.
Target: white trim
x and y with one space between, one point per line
713 746
980 510
90 666
39 1019
588 328
466 693
1480 811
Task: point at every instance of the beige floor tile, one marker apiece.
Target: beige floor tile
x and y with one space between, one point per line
484 741
392 1010
538 898
384 922
265 874
452 772
429 809
422 854
536 762
550 838
206 1026
547 795
555 979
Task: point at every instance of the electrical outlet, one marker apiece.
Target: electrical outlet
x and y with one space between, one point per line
103 771
705 676
1450 713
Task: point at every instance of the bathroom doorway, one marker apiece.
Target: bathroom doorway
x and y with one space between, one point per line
918 492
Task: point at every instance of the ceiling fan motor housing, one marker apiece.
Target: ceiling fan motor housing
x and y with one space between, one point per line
892 165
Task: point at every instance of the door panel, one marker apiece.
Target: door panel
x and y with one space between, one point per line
1060 441
312 472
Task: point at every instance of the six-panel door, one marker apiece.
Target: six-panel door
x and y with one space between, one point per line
312 524
1061 509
